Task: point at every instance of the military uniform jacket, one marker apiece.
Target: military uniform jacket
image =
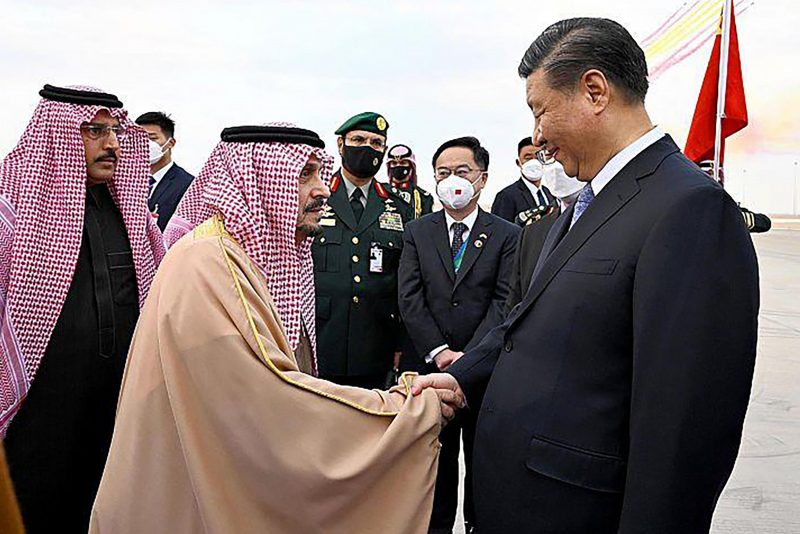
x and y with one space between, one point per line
419 201
355 272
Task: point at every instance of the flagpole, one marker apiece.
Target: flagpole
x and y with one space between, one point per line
723 84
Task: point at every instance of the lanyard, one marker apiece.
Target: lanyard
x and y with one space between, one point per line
459 256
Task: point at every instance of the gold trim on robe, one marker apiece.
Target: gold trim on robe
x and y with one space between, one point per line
219 432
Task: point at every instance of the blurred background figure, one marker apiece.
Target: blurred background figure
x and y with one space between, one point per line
519 201
756 223
168 181
401 165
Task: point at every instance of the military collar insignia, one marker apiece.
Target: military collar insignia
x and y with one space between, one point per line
380 190
335 181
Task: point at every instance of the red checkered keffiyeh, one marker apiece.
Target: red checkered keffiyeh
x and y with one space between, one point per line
255 186
42 196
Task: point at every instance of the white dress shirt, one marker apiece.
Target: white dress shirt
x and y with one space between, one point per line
623 157
534 189
350 187
159 174
469 222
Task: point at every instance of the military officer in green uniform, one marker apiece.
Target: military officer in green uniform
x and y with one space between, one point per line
401 165
355 262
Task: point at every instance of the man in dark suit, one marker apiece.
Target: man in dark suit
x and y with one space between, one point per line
453 284
531 240
620 383
168 181
517 202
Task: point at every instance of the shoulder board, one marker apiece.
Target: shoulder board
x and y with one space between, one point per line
335 181
380 190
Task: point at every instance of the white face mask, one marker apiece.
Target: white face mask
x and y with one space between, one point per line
556 180
532 170
156 150
456 192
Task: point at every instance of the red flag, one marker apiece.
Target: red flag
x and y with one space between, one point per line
700 143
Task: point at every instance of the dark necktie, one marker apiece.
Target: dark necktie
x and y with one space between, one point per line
541 198
585 198
152 183
355 203
458 237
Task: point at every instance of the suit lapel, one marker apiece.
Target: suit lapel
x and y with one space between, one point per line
372 211
441 237
548 196
618 192
530 202
553 237
341 206
479 234
164 185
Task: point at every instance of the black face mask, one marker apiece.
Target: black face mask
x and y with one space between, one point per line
361 161
400 174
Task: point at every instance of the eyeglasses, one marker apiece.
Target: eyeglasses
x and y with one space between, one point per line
544 157
462 172
359 140
97 131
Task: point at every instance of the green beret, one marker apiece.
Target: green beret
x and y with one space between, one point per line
367 121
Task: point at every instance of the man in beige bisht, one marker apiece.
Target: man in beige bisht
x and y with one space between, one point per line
218 430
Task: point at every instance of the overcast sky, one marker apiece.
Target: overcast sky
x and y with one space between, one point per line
435 69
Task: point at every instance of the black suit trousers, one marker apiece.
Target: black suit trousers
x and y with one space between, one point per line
445 499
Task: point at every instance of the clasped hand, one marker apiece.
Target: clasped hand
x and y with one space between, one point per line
447 389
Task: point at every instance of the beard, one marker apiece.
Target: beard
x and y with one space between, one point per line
310 229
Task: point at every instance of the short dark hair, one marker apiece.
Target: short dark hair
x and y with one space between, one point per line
480 154
160 119
568 48
526 141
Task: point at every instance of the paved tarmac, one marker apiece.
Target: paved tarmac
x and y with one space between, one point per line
763 494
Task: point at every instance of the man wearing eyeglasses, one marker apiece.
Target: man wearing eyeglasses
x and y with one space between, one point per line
79 251
454 280
355 262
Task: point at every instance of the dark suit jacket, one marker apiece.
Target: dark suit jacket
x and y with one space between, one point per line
441 307
516 198
168 193
619 385
531 240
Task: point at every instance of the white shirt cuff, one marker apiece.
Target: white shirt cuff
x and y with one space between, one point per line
432 354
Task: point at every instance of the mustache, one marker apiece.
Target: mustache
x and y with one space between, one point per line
109 155
314 205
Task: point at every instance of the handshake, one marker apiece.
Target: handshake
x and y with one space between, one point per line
447 389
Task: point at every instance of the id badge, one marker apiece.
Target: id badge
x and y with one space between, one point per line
375 259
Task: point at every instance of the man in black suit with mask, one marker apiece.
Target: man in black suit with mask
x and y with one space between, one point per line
616 391
531 240
453 283
524 198
168 181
